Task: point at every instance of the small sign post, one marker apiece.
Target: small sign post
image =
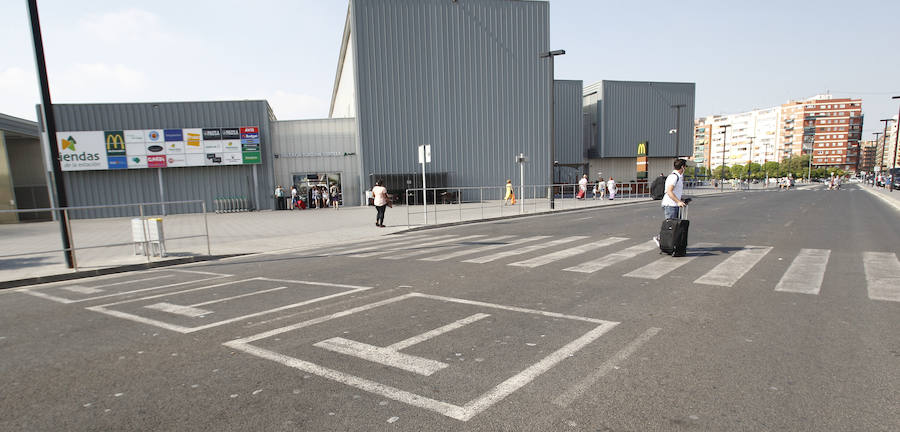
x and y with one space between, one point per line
521 159
425 157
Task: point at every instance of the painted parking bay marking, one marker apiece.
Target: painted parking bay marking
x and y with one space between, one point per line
193 311
83 288
459 412
391 355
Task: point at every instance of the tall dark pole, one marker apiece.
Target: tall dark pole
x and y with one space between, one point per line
749 160
883 146
550 55
896 135
724 140
50 125
678 128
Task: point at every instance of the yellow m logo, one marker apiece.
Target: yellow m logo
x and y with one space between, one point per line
642 148
115 142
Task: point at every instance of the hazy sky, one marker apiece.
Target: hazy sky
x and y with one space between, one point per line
741 55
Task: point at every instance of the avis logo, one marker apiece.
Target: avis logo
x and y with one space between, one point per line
68 143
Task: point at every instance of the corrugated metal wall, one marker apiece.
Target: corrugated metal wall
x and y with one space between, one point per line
85 188
569 145
297 142
463 76
635 111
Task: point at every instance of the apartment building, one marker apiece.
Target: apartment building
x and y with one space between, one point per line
830 128
751 137
868 151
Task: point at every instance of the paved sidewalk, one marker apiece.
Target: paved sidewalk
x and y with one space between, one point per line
105 243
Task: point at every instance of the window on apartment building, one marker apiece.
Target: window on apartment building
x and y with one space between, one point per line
843 105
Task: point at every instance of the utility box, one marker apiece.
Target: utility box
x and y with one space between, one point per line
148 237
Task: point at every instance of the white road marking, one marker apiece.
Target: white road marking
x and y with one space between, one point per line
614 258
187 311
462 413
221 300
390 355
35 291
578 389
806 273
728 272
418 248
566 253
338 250
379 247
482 249
81 289
183 329
382 356
523 250
667 264
584 218
882 275
437 332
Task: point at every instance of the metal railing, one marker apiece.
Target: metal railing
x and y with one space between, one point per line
91 237
452 204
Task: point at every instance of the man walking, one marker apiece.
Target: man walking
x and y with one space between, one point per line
671 202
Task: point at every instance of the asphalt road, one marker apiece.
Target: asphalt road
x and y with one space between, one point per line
785 316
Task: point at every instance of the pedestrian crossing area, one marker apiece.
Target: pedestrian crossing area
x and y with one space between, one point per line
721 266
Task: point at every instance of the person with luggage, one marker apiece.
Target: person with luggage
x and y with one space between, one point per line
673 234
582 187
611 187
510 197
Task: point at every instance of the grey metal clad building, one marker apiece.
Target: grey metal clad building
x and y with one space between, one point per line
621 114
317 152
569 131
126 186
463 76
23 184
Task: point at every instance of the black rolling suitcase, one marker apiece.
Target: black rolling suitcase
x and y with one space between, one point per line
673 235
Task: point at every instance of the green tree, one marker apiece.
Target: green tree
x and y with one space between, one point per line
773 169
721 172
738 171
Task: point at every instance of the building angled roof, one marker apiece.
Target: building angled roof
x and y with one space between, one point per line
17 125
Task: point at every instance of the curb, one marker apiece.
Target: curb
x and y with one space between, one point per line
109 270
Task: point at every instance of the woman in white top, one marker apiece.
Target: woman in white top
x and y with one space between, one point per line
611 186
381 202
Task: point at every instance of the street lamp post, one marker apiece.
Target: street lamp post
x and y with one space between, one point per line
550 55
896 135
678 108
812 148
724 140
883 146
765 161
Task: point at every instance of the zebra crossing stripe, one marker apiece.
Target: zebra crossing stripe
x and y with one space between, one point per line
806 273
882 275
523 250
728 272
481 249
613 258
378 246
566 253
358 246
667 264
418 248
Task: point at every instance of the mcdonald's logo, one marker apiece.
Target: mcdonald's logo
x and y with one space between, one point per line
115 143
642 148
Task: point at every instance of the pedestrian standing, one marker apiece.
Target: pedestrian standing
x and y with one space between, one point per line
601 186
279 198
611 187
381 201
293 196
317 197
334 192
370 197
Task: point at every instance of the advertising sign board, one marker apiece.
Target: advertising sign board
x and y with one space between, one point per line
158 148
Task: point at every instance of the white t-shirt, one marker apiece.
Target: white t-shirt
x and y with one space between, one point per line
611 185
582 184
677 180
380 193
